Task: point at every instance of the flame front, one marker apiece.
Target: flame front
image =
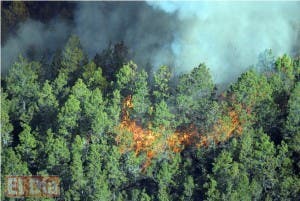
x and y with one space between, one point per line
133 137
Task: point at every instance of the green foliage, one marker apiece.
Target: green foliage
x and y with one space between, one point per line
57 153
69 115
12 164
229 182
76 170
95 111
198 83
6 126
255 95
162 115
27 146
161 83
112 59
93 76
22 85
188 188
48 107
292 125
47 99
141 98
60 85
137 194
251 89
72 55
67 122
193 100
114 109
166 172
115 176
285 67
130 165
97 184
125 77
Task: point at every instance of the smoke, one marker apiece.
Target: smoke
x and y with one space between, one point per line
228 37
34 38
148 32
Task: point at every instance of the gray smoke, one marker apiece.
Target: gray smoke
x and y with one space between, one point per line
228 37
148 32
33 37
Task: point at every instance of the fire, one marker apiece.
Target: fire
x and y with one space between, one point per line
132 137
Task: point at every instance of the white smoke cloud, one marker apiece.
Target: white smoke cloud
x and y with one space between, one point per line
229 36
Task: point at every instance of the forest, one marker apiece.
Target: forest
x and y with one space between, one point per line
114 130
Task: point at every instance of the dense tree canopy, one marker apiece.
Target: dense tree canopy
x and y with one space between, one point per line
112 131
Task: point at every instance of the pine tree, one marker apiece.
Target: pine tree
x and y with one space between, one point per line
57 156
193 98
292 125
72 56
126 77
97 187
78 181
113 109
92 75
162 115
141 99
68 116
95 112
22 85
161 83
28 146
6 126
48 108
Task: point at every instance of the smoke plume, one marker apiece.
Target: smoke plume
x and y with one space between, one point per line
228 37
33 38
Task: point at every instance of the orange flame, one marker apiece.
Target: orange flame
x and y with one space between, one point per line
133 137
